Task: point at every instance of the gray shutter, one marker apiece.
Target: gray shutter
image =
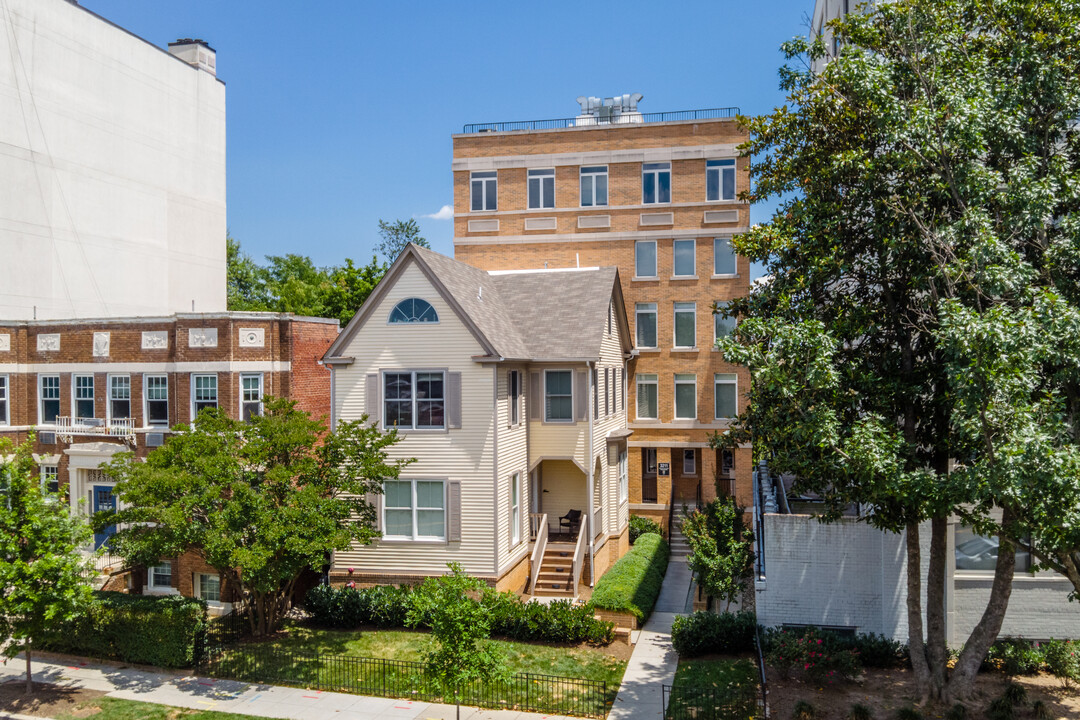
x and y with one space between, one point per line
581 395
375 500
453 511
453 400
535 399
371 397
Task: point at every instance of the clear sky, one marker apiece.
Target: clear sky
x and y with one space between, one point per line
340 113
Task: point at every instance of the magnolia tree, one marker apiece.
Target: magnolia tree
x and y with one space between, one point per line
41 567
916 345
261 501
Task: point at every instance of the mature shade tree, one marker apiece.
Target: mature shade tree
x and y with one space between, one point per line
261 501
396 235
41 567
721 549
915 348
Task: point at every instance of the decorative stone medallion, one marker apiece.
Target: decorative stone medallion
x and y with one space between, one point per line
252 337
101 344
202 337
155 339
48 343
5 342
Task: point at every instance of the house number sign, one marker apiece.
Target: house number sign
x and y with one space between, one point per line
663 469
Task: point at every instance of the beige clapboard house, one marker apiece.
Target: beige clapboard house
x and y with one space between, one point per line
509 389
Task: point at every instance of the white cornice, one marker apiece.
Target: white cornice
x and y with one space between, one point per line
600 157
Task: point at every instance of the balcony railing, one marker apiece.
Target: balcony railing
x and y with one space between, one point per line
68 427
614 119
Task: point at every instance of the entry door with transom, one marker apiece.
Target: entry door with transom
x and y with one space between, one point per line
103 499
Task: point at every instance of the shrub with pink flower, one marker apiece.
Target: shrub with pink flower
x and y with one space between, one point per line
812 655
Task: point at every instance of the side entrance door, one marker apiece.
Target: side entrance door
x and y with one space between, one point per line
103 500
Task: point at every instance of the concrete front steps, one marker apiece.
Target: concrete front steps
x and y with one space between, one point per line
556 577
679 547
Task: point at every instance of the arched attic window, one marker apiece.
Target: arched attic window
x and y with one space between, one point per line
413 310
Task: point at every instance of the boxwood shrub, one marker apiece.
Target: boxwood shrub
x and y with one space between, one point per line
383 606
633 583
704 633
149 630
641 525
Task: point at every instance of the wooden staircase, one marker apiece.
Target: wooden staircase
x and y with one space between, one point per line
556 577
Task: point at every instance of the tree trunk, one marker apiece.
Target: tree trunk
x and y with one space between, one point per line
916 645
985 633
29 672
937 653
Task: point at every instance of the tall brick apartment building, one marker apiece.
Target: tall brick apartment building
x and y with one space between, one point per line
89 389
655 195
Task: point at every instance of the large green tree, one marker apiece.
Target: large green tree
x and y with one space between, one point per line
721 549
396 235
261 500
41 567
915 347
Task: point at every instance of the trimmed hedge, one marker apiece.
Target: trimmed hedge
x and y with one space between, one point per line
633 583
641 525
704 633
386 607
149 630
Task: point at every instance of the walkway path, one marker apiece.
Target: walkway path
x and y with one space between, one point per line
230 696
654 661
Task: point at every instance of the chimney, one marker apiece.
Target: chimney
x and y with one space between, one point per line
195 52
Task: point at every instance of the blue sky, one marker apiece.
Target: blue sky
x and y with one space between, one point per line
340 113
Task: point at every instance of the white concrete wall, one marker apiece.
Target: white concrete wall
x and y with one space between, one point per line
112 163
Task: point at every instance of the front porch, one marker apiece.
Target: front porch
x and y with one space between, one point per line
559 527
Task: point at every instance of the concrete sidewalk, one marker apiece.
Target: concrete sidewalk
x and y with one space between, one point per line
654 661
200 693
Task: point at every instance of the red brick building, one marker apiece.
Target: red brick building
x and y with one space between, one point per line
91 388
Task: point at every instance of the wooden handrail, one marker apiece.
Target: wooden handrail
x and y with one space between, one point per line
579 551
539 546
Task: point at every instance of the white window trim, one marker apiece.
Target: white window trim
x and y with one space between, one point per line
75 395
624 476
484 182
515 484
514 411
671 187
716 382
197 588
573 416
217 386
5 417
529 176
262 391
150 578
656 260
675 396
692 472
639 310
693 272
146 399
592 176
735 255
415 537
716 317
391 322
41 398
638 382
109 397
55 475
674 328
734 169
446 402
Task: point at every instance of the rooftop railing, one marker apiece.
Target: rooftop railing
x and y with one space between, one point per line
631 118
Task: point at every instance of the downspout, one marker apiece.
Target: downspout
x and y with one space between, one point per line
495 462
333 418
592 463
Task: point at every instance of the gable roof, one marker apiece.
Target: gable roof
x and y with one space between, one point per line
542 315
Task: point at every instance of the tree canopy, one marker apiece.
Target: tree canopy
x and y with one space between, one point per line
915 347
261 500
721 549
396 235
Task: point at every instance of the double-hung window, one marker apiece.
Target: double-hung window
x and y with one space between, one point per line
645 316
208 587
727 395
609 395
48 399
655 183
720 180
689 461
414 510
685 397
513 381
558 396
414 400
50 479
683 258
484 187
515 509
4 419
624 478
204 393
84 396
161 575
251 395
722 326
594 181
647 396
119 397
156 394
685 325
645 259
723 257
541 189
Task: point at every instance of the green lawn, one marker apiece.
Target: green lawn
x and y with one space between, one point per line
117 709
723 688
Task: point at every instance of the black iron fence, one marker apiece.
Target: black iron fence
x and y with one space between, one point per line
404 679
623 119
221 631
694 703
